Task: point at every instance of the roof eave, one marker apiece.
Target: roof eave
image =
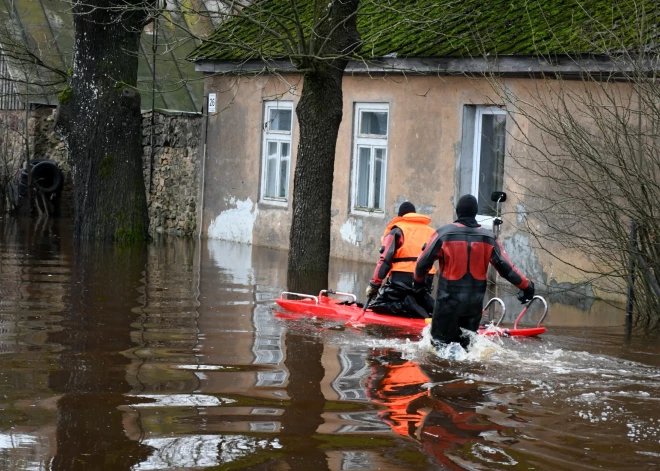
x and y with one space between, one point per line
566 66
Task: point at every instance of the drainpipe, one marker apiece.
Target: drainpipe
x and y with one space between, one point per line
154 48
205 114
630 294
28 206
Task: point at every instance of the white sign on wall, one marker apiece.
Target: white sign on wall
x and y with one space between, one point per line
211 103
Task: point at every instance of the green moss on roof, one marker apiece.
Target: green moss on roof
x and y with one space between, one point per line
436 28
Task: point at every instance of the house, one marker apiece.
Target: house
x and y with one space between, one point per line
423 119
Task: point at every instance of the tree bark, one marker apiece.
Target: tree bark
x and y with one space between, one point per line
319 113
99 118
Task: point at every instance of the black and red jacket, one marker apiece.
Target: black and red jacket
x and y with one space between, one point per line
463 254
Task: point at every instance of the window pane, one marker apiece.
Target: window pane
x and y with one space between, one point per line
271 169
284 169
379 177
364 167
373 122
491 160
280 120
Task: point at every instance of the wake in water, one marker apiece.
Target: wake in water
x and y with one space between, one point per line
562 397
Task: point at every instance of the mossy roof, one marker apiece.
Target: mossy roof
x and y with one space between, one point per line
441 28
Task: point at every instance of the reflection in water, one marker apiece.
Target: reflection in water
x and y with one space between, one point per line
91 370
202 451
267 349
348 382
441 417
169 357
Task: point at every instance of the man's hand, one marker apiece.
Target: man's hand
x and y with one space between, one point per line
372 290
525 295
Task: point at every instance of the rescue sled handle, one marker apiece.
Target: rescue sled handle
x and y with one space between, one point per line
503 309
324 292
300 295
522 313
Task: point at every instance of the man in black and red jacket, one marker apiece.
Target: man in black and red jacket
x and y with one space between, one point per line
464 249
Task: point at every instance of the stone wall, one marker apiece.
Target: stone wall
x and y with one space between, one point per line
172 176
172 182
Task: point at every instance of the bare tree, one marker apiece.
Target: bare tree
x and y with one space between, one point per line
591 153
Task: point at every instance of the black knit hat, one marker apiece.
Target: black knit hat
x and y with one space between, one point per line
406 207
467 206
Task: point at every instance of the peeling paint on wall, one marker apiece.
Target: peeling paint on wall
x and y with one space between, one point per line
521 213
425 209
235 224
523 255
399 200
351 231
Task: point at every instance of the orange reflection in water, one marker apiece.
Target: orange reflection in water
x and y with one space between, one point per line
441 418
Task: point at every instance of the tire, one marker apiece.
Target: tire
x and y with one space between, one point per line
46 176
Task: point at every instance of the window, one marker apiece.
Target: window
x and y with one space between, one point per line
370 156
482 157
278 123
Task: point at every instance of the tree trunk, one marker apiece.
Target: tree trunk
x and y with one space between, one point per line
99 118
319 116
319 113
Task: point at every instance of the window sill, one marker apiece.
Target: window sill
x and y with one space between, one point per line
274 203
379 213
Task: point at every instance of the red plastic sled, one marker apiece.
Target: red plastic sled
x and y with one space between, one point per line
327 307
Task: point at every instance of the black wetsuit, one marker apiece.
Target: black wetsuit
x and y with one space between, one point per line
464 250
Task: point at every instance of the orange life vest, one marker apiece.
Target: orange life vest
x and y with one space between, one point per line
416 233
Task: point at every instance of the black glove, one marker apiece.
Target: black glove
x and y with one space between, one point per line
525 295
372 290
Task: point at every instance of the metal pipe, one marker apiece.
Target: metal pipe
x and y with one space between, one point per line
205 115
630 295
154 49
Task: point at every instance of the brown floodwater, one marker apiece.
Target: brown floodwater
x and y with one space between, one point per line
171 356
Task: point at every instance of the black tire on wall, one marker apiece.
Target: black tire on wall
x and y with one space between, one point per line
47 176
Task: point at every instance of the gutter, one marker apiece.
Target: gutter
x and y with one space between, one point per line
504 66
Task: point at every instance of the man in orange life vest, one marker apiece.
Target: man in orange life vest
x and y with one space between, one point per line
464 249
403 240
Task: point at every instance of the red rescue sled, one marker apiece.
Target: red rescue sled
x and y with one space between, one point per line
325 306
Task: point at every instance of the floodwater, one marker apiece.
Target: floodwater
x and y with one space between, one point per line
172 357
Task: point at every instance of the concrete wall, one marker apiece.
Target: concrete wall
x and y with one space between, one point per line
424 149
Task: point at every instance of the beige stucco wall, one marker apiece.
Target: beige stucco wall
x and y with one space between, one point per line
424 146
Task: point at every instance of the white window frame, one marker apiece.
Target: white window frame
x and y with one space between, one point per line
373 141
485 221
280 137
